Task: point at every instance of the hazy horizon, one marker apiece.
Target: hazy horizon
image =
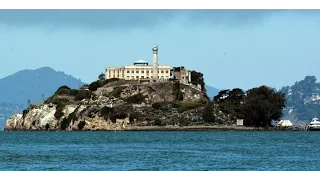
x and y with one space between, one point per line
232 48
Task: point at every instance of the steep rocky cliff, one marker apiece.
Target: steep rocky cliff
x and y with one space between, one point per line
115 105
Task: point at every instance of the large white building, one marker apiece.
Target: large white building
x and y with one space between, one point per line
141 70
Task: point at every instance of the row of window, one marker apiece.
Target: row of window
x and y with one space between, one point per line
137 77
147 77
114 76
146 72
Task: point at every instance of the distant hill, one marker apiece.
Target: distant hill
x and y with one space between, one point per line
23 85
34 85
211 91
303 100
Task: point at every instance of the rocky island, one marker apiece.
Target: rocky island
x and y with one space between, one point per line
150 97
118 104
115 104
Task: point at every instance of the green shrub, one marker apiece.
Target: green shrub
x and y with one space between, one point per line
134 115
81 125
72 116
175 105
179 96
157 105
117 91
188 105
107 81
99 83
59 113
63 90
197 78
157 122
47 126
183 122
49 100
65 123
93 111
82 94
64 87
131 119
127 108
25 112
204 100
121 115
165 105
73 92
61 104
94 85
113 117
135 99
105 111
61 101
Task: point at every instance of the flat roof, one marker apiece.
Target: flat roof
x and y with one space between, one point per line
141 61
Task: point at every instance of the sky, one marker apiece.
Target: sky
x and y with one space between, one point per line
232 48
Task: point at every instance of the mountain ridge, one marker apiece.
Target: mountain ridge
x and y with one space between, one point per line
212 91
27 84
302 100
30 85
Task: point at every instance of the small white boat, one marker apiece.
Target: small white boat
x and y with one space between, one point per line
314 125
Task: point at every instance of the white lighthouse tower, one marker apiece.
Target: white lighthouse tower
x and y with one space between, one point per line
155 62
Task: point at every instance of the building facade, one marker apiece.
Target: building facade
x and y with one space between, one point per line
139 70
181 73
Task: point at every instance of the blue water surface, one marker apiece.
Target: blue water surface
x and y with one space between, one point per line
160 151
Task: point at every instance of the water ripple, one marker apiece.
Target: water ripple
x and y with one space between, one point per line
159 151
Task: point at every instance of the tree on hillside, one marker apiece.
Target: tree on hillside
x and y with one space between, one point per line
197 78
230 101
94 85
221 96
301 98
102 77
236 95
262 105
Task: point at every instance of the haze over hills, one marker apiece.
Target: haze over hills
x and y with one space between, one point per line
302 100
212 91
36 85
26 85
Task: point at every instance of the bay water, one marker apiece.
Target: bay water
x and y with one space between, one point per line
160 151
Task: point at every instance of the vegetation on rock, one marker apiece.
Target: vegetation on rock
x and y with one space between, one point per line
164 103
258 106
302 99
